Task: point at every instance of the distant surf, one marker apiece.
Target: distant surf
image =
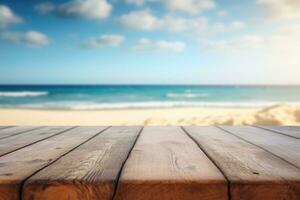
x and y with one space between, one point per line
147 105
22 94
93 97
186 95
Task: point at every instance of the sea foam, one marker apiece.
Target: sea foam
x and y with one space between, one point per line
145 105
23 94
186 95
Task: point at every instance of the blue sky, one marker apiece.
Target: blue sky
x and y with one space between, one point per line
150 42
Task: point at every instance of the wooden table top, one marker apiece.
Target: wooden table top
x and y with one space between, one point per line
149 163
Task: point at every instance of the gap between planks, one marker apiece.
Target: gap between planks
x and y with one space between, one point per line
16 132
128 155
93 168
119 174
22 183
265 148
274 130
211 159
259 174
4 127
34 142
166 163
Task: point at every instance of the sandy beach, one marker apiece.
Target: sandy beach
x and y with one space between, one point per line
274 115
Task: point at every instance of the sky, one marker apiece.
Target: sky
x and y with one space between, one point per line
150 42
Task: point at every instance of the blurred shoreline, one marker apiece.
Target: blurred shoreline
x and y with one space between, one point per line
280 114
109 97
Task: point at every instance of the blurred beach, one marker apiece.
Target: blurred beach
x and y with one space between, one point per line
149 105
274 115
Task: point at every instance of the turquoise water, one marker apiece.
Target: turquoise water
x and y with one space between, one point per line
82 97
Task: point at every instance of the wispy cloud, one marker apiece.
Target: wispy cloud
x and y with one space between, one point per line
139 2
8 17
45 7
285 39
104 41
144 20
30 38
145 44
280 9
140 20
236 25
244 42
190 6
222 13
86 9
187 6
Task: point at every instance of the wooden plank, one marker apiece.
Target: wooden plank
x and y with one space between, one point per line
253 172
16 142
19 165
166 164
5 133
283 146
3 127
293 131
88 172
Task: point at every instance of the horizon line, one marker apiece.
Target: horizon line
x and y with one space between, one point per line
139 84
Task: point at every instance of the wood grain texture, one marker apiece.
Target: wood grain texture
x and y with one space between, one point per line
283 146
19 165
293 131
3 127
88 172
18 141
166 164
8 132
253 172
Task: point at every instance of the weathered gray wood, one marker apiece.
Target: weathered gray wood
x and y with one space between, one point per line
18 141
253 172
3 127
88 172
5 133
293 131
166 164
19 165
283 146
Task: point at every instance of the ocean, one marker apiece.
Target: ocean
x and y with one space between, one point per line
93 97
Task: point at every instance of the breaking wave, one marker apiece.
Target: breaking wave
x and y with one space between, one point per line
22 94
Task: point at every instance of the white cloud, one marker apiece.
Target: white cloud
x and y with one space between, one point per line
180 24
236 25
145 44
280 9
30 38
188 6
244 42
89 9
8 17
222 13
86 9
144 20
285 40
140 20
45 7
282 52
137 2
104 41
274 55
